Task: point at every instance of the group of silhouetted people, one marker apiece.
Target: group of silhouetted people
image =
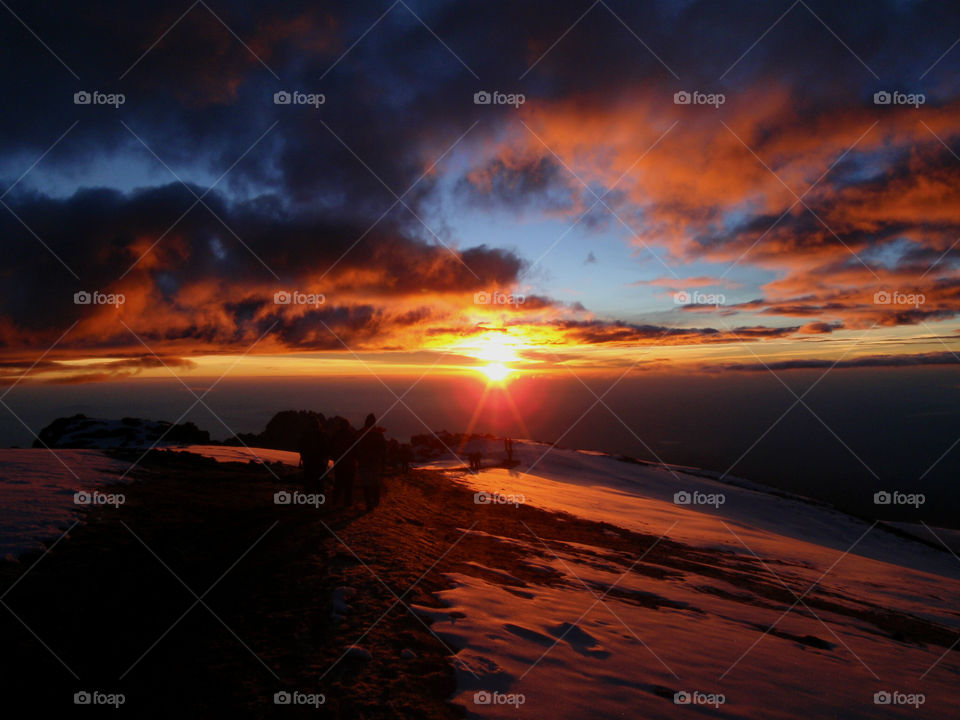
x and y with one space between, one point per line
362 454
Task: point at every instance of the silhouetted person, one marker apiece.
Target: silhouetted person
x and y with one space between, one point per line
475 458
314 453
344 453
406 455
393 454
371 458
508 447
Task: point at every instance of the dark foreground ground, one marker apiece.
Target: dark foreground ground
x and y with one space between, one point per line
200 597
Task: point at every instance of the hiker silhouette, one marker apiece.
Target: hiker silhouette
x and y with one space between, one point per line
406 455
371 459
314 453
344 451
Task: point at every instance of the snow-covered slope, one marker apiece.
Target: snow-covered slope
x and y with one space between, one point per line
227 453
37 489
788 608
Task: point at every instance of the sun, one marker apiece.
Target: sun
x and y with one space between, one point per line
496 351
495 372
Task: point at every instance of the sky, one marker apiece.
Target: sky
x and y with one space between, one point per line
723 196
785 214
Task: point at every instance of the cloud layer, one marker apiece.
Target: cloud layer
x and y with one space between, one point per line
199 198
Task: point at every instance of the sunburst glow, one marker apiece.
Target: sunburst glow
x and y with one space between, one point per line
496 372
497 351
